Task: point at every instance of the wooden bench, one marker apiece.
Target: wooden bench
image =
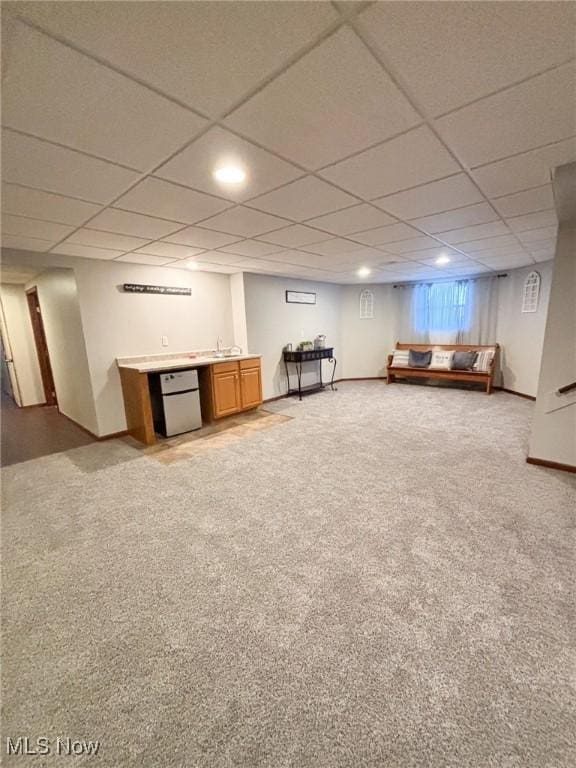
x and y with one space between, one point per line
479 377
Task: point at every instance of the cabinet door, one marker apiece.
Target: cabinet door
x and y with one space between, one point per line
226 393
250 387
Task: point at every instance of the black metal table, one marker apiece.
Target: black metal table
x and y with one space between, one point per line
298 358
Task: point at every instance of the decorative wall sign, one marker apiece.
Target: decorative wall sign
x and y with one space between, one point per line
300 297
366 305
531 292
162 289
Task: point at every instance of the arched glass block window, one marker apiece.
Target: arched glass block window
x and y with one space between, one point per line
531 292
366 305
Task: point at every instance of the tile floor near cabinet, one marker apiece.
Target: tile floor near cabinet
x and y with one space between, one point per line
371 577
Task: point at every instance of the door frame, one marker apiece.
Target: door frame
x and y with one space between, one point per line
41 346
9 358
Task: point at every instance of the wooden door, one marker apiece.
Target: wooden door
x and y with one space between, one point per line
226 393
250 387
41 347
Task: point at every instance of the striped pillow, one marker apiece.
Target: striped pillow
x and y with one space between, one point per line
482 364
400 358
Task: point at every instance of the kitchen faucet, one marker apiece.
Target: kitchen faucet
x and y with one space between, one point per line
218 343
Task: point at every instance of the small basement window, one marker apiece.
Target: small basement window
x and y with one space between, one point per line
531 292
366 305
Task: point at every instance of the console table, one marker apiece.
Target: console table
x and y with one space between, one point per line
298 358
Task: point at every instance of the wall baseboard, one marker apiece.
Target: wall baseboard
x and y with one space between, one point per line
513 392
551 464
99 438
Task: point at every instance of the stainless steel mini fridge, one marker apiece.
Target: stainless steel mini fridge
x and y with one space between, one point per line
176 402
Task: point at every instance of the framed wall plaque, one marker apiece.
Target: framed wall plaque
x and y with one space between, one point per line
300 297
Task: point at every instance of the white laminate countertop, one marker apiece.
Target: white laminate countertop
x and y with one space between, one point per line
178 363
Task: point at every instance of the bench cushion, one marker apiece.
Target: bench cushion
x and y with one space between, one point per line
400 358
442 359
418 359
482 364
464 361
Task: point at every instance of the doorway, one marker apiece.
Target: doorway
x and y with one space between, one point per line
41 346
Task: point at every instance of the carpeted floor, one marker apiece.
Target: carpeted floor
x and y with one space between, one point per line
379 581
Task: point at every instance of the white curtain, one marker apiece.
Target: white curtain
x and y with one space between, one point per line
448 312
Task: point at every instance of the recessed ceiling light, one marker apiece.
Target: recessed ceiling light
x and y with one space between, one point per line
441 260
230 174
364 272
192 265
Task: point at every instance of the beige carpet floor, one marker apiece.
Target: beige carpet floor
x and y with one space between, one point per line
379 581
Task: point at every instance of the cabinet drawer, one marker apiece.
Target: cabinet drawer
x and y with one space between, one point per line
253 362
225 367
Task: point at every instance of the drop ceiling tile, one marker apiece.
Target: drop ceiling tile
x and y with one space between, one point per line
490 45
480 213
201 238
298 258
456 262
543 256
143 258
195 165
303 199
354 219
413 244
533 113
295 236
529 169
548 244
85 251
255 248
532 221
403 267
333 247
23 201
455 236
504 262
109 240
35 163
229 49
473 246
406 161
26 243
44 230
62 95
170 201
432 253
384 235
436 197
219 257
334 101
243 221
124 223
528 201
206 266
537 235
169 250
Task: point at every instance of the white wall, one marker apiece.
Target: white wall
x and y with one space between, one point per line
58 297
18 327
272 323
521 334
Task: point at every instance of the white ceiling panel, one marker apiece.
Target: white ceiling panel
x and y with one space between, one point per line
303 199
244 222
110 240
533 221
403 162
23 201
436 197
85 251
477 232
537 235
543 256
170 250
313 260
35 163
44 230
201 238
124 223
548 244
170 201
336 247
295 236
433 253
25 243
195 166
143 258
206 54
533 113
354 219
205 266
219 257
504 241
529 201
253 248
61 95
334 101
481 213
504 262
529 169
452 54
383 235
413 244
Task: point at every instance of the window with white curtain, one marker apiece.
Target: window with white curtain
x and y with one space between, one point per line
443 307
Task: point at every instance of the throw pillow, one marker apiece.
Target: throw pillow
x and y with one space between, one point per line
483 360
400 358
441 359
418 359
464 361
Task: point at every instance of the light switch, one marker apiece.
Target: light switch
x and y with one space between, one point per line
164 341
